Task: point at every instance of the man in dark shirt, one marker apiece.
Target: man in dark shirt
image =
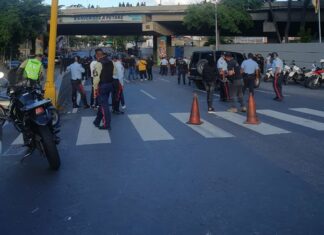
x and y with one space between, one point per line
209 79
182 70
235 83
103 86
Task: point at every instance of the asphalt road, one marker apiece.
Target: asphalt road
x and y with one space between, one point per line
154 174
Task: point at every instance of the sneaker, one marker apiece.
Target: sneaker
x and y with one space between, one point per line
243 109
211 110
124 107
76 106
145 79
232 110
86 106
141 80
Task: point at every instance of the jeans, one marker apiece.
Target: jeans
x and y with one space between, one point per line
236 92
115 97
143 74
78 87
103 113
210 88
149 74
183 75
131 73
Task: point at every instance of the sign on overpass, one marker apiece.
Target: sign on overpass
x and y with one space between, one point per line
101 19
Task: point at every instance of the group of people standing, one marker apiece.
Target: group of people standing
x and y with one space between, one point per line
235 79
107 77
138 68
179 66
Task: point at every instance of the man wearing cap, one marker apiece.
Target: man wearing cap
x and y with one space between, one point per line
222 70
235 83
103 86
277 66
250 71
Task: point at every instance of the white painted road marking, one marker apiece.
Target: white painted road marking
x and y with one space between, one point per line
309 111
19 140
293 119
89 134
148 128
262 128
206 129
148 94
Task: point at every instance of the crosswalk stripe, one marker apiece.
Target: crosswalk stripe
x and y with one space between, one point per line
148 128
89 134
309 111
206 129
262 128
19 140
293 119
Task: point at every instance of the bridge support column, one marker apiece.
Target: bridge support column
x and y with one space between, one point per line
162 47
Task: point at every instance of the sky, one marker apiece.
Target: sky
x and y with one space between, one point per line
110 3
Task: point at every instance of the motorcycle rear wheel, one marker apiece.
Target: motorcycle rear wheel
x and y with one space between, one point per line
310 83
49 147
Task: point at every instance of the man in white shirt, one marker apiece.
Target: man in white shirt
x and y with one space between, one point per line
118 82
172 63
222 71
164 66
76 70
250 71
93 101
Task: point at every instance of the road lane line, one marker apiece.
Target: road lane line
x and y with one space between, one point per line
148 94
293 119
262 128
89 134
206 129
309 111
148 128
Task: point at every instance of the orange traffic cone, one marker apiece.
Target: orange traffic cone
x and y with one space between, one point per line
195 115
251 112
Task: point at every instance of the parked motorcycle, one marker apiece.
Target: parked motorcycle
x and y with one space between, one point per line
31 114
269 76
286 71
296 74
315 78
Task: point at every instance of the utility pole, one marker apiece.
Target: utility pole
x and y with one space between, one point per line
216 28
50 90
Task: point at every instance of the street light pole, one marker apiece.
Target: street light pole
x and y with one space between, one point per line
216 27
50 90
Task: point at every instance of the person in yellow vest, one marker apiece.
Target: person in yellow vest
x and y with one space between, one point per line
32 70
142 68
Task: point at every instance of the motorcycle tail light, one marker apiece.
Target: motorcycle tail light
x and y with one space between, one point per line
39 110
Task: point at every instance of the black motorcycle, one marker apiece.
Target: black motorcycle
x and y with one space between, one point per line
31 115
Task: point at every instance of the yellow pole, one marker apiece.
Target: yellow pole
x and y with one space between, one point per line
50 90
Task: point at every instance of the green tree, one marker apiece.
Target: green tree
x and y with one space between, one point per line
232 15
21 20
